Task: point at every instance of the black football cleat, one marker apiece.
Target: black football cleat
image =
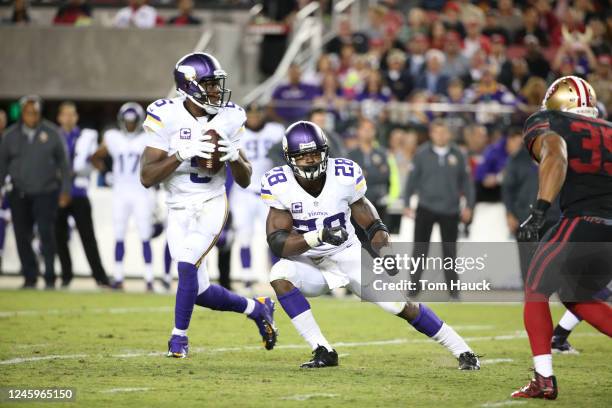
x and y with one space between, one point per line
321 357
539 387
468 361
560 345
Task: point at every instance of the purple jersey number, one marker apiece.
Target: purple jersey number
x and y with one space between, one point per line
277 176
344 167
328 222
195 177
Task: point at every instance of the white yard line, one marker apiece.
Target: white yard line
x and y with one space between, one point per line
138 353
116 390
502 403
496 361
304 397
111 310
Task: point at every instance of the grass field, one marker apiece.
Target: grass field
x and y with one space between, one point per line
109 347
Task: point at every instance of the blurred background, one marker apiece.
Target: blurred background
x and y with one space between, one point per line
374 74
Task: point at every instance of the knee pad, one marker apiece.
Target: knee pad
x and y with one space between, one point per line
285 270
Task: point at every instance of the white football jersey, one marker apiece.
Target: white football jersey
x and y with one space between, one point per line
344 185
168 124
125 149
256 145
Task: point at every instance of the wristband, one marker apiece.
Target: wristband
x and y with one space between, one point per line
376 226
178 157
312 238
542 205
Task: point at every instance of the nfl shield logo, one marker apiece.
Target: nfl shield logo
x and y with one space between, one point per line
296 208
185 133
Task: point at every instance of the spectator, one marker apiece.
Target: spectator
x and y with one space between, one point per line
292 102
324 66
451 18
81 143
498 56
20 14
478 63
517 77
374 96
489 173
457 120
474 39
537 64
490 94
456 65
601 78
33 154
418 116
548 21
510 18
332 100
73 12
433 79
417 24
273 46
402 147
533 93
185 16
438 35
531 27
576 56
376 22
374 163
417 47
440 177
476 140
325 121
397 77
601 42
492 27
3 121
345 35
469 10
136 14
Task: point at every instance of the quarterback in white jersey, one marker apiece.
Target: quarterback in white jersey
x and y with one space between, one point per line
130 198
311 201
248 211
197 205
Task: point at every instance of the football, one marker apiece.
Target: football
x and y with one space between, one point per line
213 164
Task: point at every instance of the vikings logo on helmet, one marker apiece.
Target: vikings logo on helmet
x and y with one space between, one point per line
130 112
200 78
571 94
305 137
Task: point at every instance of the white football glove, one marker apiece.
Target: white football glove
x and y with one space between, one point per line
229 148
200 147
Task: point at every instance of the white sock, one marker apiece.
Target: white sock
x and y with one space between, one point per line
148 272
118 271
179 332
543 364
308 328
569 321
449 338
250 306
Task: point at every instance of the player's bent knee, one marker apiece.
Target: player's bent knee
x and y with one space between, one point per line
283 270
392 307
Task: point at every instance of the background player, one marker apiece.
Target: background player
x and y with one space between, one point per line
130 198
311 201
197 203
574 151
248 211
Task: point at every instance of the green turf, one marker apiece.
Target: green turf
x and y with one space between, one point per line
224 369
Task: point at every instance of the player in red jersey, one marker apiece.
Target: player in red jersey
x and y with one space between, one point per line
574 152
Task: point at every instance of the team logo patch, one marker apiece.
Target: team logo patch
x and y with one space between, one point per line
185 133
296 208
44 137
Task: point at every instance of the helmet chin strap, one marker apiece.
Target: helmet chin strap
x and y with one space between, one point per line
211 110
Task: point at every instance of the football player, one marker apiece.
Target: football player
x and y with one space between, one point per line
196 199
130 198
574 152
248 211
311 200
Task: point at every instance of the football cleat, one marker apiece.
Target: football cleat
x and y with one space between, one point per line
321 357
117 285
265 322
560 345
166 284
538 387
468 361
178 346
150 288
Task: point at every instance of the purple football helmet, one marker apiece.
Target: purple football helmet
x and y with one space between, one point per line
305 137
200 78
133 113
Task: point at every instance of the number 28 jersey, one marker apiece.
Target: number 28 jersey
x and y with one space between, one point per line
168 125
344 184
587 190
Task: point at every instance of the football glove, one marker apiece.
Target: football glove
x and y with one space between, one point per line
200 147
529 230
229 148
328 235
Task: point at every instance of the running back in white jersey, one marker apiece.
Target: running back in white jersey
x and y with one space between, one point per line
344 185
125 149
256 145
168 124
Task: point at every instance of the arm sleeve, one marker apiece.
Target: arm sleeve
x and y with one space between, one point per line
268 194
360 186
536 125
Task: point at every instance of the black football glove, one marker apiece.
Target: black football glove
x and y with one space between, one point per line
529 230
333 235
